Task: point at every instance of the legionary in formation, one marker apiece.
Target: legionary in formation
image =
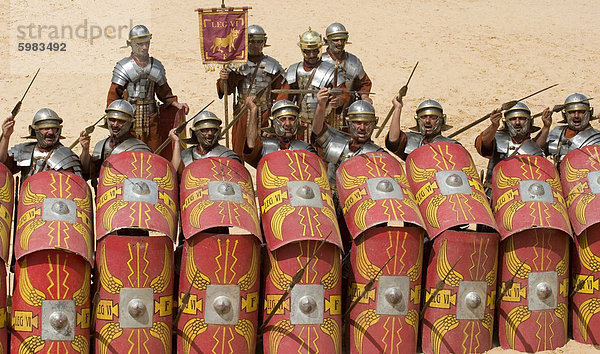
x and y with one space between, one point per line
350 67
577 133
119 120
312 73
46 153
285 125
205 134
138 78
514 138
339 146
431 122
260 73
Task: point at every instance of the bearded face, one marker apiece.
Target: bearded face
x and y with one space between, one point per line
207 137
47 137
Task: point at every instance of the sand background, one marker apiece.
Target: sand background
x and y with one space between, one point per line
473 55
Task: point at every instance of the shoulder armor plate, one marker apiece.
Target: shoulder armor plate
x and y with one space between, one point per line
291 74
272 66
302 145
187 156
22 153
131 144
63 158
334 144
324 75
157 72
269 145
353 67
413 141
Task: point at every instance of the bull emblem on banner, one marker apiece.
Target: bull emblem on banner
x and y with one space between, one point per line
228 41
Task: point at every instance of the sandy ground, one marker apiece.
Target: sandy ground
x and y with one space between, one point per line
473 55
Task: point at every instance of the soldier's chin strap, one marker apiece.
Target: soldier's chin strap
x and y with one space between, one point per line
295 280
366 289
438 287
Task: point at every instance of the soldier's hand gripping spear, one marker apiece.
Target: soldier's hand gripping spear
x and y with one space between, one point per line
505 106
438 287
508 285
17 107
401 93
295 280
367 288
179 129
86 132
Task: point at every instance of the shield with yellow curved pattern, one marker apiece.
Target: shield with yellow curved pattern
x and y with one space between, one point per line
309 319
373 190
301 231
459 317
53 249
55 212
134 310
585 277
216 192
7 191
221 275
6 214
136 190
447 187
295 199
527 193
386 317
580 177
533 307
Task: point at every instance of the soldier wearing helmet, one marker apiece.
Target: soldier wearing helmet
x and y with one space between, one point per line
261 72
431 122
339 146
578 131
205 133
46 153
138 78
119 120
310 74
350 68
514 138
285 126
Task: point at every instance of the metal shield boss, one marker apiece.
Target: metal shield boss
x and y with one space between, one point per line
297 215
134 311
447 188
53 250
534 226
220 271
580 177
136 190
373 190
6 215
460 317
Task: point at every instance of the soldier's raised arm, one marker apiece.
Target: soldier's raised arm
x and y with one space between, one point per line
484 142
8 127
318 123
540 139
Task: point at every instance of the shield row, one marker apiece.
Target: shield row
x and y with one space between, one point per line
426 253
